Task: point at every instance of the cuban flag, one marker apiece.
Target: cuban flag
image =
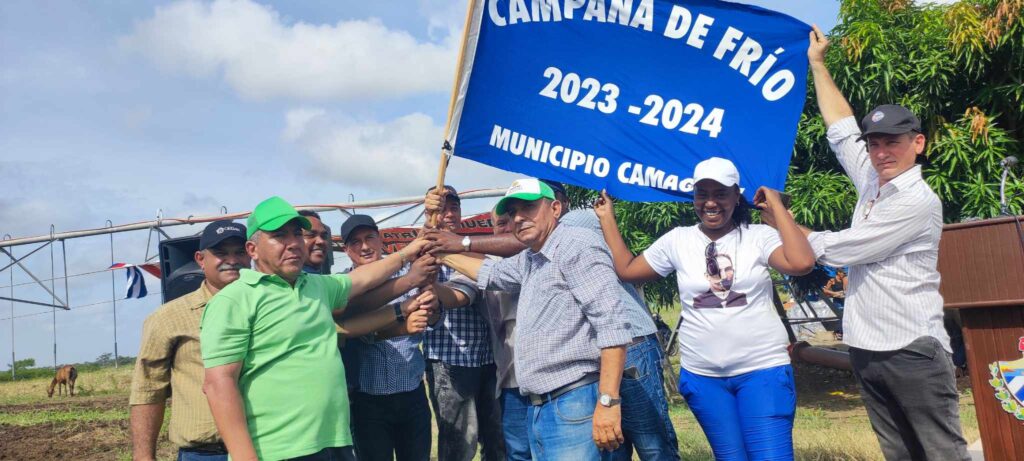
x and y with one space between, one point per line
136 282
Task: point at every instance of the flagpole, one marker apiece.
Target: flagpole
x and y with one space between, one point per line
447 148
113 293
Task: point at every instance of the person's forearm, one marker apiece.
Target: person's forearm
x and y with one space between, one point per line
392 332
376 297
450 297
504 245
621 256
467 265
369 276
795 246
145 421
365 324
229 415
831 102
613 361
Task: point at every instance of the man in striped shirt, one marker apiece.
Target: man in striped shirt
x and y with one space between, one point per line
893 314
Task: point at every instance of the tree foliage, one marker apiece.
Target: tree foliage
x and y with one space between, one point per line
960 67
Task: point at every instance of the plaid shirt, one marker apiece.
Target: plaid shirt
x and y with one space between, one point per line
461 338
387 367
569 308
639 317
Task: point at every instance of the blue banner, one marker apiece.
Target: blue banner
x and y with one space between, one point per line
629 95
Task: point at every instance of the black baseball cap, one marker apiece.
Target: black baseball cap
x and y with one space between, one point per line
452 193
219 231
354 222
889 119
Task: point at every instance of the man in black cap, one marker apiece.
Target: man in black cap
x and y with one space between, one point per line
390 413
893 314
170 362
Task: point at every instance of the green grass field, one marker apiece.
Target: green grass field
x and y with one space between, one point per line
831 423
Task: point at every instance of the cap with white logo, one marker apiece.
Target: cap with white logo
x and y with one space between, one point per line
219 231
524 189
889 119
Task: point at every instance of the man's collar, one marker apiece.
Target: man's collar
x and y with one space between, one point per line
551 244
199 298
252 277
906 178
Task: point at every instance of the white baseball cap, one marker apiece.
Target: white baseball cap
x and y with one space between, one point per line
717 169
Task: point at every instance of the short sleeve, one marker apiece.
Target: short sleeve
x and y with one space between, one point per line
661 254
225 331
464 284
151 381
340 290
768 241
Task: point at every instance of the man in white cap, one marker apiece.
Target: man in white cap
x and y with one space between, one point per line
572 328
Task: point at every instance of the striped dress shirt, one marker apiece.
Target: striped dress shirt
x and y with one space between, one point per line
892 249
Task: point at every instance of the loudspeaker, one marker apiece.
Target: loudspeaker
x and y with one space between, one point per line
178 265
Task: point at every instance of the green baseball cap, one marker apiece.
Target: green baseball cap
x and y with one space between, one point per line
524 189
271 214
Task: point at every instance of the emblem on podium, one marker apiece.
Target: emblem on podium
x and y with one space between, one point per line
1008 381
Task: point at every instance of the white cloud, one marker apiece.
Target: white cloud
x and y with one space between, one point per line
261 56
397 157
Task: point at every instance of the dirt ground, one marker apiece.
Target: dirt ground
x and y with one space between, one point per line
83 439
831 423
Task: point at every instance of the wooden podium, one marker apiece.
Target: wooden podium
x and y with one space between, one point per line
982 267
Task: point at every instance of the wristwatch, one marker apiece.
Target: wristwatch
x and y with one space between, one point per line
465 243
399 315
607 401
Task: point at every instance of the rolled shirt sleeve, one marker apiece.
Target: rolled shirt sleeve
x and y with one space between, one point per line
592 281
465 285
151 379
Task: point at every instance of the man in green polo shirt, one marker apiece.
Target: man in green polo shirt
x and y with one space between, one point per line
274 377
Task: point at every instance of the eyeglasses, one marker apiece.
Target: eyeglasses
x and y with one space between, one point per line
710 258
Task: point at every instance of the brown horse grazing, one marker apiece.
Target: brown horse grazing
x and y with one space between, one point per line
66 376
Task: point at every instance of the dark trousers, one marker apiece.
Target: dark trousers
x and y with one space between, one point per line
467 411
330 454
912 401
391 427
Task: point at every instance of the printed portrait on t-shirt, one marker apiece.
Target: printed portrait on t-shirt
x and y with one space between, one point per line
720 275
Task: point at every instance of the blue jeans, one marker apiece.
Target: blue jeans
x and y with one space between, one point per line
514 419
185 454
645 421
745 417
563 429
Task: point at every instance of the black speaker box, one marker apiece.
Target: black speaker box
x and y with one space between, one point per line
181 274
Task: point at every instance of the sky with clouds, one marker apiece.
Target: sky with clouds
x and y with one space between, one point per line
114 110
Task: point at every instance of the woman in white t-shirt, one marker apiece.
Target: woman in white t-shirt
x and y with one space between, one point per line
735 369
